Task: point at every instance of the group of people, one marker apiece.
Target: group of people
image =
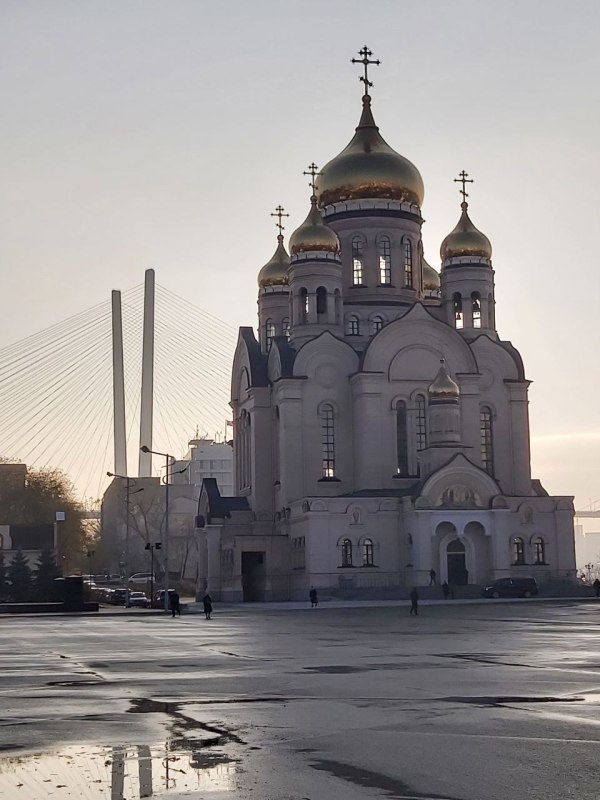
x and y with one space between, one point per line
175 605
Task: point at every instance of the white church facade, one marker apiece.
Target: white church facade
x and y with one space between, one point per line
381 424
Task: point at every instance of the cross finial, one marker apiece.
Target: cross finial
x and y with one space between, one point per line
365 60
279 214
463 177
313 171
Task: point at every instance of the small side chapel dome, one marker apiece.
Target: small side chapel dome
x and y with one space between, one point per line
431 278
443 387
465 239
314 234
275 271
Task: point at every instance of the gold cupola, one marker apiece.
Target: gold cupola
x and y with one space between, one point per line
275 271
465 240
314 234
369 168
431 278
443 387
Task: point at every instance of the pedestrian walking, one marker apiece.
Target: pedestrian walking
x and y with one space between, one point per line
596 585
414 602
207 603
432 577
314 599
446 590
174 603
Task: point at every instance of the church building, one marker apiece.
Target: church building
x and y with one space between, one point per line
381 425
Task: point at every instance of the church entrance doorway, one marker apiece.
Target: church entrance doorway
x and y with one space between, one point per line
253 576
457 563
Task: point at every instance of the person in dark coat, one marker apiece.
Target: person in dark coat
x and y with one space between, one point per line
207 603
432 577
314 598
174 603
414 602
446 590
596 585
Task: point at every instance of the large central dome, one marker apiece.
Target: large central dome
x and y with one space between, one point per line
369 168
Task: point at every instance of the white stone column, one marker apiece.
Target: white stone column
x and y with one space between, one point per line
368 413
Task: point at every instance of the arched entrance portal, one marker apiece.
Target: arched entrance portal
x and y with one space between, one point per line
456 559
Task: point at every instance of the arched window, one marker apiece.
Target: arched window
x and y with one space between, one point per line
352 326
518 551
486 437
346 553
476 309
539 550
327 441
385 261
321 300
367 553
458 310
357 261
420 423
408 263
303 294
377 323
401 438
286 327
269 332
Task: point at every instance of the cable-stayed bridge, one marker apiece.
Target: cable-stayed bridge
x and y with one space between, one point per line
56 386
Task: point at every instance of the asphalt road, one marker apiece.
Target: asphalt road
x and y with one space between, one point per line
479 702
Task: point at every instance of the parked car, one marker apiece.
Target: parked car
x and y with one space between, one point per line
512 587
138 600
140 577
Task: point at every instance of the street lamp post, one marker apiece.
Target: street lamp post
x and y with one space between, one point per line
152 548
128 494
169 459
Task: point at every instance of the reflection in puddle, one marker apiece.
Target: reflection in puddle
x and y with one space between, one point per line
114 773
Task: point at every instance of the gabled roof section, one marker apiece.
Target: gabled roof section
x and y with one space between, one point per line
215 505
249 358
324 344
281 358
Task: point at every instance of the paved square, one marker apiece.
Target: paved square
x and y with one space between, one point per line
466 702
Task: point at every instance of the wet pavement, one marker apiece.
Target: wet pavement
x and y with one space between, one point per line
469 702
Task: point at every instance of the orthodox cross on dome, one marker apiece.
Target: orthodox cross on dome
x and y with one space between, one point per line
279 214
313 171
365 60
463 177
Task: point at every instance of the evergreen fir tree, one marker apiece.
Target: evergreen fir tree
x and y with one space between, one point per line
4 592
46 572
19 576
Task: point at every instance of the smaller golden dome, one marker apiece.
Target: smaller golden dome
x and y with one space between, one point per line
314 234
275 271
465 240
443 387
431 278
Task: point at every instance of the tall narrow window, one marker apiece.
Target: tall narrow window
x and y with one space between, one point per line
346 553
357 261
385 261
518 549
420 423
327 441
269 332
457 310
286 327
367 548
476 309
401 438
377 323
408 263
352 326
303 305
487 444
539 551
321 300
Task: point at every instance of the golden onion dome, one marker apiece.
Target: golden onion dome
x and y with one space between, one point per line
275 271
431 278
314 234
465 239
443 387
369 168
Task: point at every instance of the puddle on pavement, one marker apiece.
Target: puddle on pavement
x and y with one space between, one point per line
115 773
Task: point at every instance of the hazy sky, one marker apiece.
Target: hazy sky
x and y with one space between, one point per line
142 133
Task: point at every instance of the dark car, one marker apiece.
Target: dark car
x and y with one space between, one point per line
512 587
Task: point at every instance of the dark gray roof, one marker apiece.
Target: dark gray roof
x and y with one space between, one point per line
218 506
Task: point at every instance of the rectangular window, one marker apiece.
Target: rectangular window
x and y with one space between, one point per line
421 429
328 442
357 261
401 439
408 264
385 261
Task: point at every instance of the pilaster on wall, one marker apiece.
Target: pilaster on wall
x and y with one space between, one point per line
520 450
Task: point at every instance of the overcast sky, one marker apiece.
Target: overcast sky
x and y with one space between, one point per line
142 133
